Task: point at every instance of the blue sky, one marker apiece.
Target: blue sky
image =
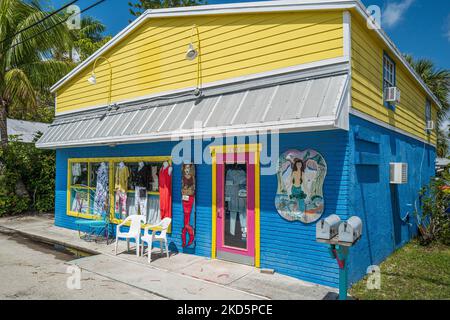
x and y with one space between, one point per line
418 27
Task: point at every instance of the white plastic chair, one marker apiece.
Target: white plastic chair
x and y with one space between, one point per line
161 237
134 231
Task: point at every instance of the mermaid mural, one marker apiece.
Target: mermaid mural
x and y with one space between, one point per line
301 175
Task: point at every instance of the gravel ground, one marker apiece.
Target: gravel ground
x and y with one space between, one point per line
36 271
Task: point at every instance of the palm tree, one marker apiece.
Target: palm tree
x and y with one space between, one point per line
438 80
26 64
136 9
442 144
87 40
90 38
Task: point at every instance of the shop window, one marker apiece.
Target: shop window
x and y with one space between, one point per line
117 187
79 188
136 190
88 188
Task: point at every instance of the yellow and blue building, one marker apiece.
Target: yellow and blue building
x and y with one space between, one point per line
273 76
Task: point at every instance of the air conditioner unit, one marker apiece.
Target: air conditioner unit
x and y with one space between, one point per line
399 173
392 95
430 125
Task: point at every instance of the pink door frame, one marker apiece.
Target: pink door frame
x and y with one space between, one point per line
249 159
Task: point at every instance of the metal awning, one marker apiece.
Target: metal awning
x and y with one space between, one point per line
295 102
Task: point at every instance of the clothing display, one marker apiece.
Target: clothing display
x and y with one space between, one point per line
121 187
236 180
121 203
101 192
80 202
153 216
143 177
155 179
165 191
76 172
236 197
122 175
140 201
242 220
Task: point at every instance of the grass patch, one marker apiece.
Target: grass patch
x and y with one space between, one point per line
412 273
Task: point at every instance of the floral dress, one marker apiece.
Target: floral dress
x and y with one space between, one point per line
101 193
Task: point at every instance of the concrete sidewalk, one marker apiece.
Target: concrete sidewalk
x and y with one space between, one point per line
181 276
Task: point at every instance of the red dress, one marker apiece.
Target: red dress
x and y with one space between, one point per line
165 193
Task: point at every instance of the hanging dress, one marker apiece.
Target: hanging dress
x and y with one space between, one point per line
101 191
165 193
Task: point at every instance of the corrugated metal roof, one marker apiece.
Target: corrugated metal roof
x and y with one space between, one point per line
25 130
309 103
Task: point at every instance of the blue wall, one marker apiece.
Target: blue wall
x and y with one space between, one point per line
382 206
288 247
203 203
357 183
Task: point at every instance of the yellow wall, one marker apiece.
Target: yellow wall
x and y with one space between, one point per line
367 85
151 59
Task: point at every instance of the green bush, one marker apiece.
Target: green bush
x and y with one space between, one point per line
434 219
27 178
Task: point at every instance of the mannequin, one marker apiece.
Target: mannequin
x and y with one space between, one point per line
121 187
165 190
188 193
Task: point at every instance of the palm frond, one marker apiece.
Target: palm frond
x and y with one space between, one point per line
18 87
91 28
43 74
41 38
438 80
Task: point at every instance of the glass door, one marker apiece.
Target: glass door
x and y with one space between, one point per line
236 208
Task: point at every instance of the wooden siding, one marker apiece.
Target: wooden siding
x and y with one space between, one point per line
367 85
151 59
288 247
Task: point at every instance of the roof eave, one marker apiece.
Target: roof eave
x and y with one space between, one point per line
319 124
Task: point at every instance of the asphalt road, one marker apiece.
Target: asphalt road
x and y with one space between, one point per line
35 271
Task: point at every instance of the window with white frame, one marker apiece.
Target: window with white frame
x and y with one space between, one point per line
389 76
428 110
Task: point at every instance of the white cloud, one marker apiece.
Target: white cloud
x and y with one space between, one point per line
394 12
